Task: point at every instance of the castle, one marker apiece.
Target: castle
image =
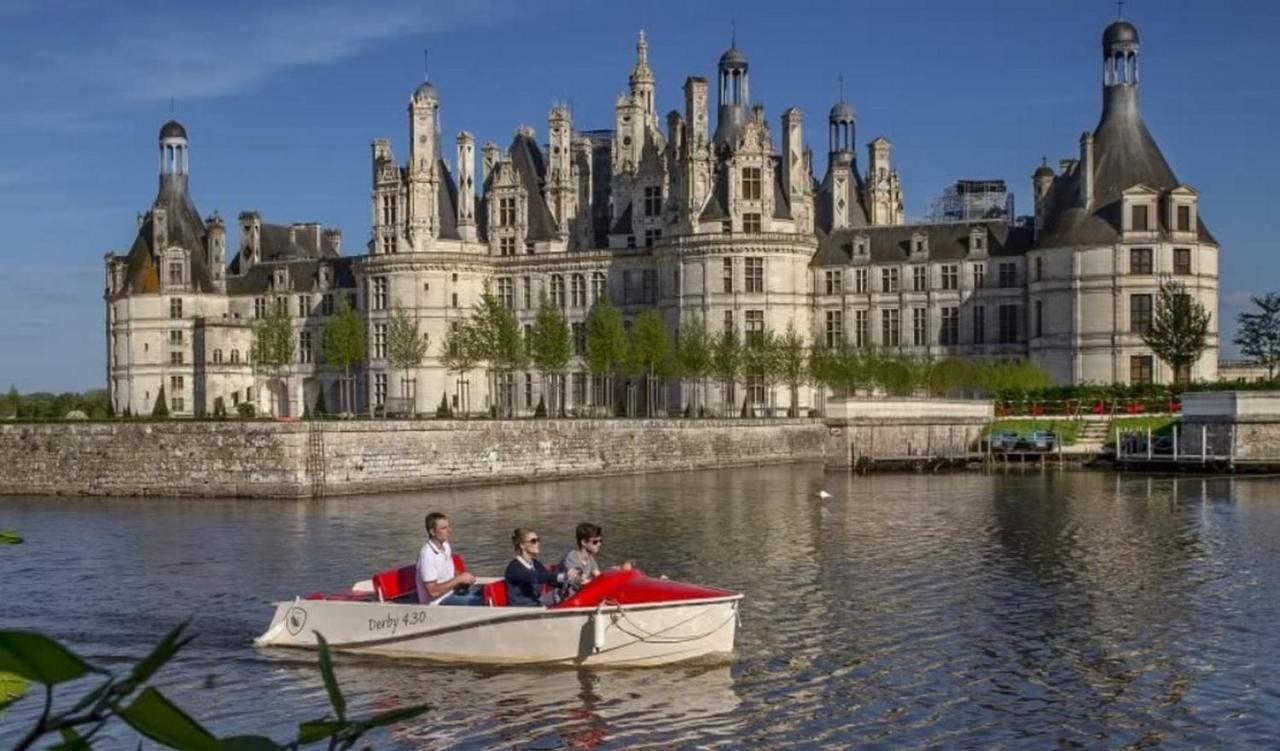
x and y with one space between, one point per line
710 220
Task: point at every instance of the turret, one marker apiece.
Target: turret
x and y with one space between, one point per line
424 150
1041 182
1120 69
173 157
841 128
695 110
216 251
734 94
795 181
561 191
466 186
642 80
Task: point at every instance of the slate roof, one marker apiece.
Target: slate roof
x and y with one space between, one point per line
303 275
781 206
822 200
185 230
275 246
527 159
946 241
716 208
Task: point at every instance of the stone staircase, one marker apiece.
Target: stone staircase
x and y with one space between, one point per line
1094 432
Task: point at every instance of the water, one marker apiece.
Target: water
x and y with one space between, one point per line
1050 610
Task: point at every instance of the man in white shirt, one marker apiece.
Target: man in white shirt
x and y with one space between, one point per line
438 582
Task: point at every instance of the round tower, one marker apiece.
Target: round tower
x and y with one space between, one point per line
1120 66
173 153
841 123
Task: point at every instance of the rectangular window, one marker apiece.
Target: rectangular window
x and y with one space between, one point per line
950 331
176 383
1140 261
626 287
751 222
175 307
304 306
1039 317
177 404
1140 307
979 325
528 293
728 275
860 284
1039 268
889 279
652 200
834 282
889 327
260 307
728 321
1008 274
862 328
751 184
177 358
1182 261
304 346
175 272
920 327
326 305
754 324
579 388
1138 218
579 338
379 389
1141 369
631 241
454 300
380 293
835 329
649 286
379 341
217 357
753 274
557 290
175 336
578 291
651 236
755 388
506 246
507 293
919 278
726 226
1008 324
979 275
506 212
1184 219
528 390
950 276
599 285
282 304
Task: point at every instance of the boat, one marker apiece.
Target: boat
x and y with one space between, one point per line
619 618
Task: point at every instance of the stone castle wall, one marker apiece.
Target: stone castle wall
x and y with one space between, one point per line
262 459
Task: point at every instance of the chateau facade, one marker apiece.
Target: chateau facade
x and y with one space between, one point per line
711 219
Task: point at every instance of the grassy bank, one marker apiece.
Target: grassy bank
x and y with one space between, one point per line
1159 425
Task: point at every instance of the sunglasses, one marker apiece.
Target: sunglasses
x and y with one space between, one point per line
596 540
531 541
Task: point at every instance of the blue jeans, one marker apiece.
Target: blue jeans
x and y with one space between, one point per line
471 596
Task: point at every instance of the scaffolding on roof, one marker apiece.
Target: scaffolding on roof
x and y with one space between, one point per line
973 199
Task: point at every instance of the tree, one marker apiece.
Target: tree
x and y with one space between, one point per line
494 339
162 405
793 365
458 354
760 361
271 349
342 345
406 349
652 352
11 403
726 363
606 346
694 356
550 349
1179 330
511 355
1258 334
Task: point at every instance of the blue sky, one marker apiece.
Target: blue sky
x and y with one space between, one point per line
282 99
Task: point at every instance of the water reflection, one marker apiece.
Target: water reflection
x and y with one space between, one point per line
1033 610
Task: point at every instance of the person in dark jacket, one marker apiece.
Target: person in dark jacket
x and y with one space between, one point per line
525 575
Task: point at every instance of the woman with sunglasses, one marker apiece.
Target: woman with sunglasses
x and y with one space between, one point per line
526 576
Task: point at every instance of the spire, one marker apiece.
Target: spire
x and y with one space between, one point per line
642 51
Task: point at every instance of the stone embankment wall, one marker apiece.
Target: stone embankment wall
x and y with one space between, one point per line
261 459
892 429
1236 425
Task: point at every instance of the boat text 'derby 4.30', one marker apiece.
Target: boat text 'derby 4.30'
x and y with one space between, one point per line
617 618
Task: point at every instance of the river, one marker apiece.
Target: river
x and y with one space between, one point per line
1036 610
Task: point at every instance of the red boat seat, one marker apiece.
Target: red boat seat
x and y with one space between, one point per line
458 565
495 594
393 584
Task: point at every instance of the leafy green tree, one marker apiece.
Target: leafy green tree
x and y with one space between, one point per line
494 338
458 354
793 365
760 361
342 345
271 350
1258 333
652 353
726 365
12 401
607 346
945 375
406 349
550 349
512 354
694 355
1179 330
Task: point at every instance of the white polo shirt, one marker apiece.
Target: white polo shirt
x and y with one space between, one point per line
435 564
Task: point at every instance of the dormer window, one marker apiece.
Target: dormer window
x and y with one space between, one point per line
326 276
751 184
978 240
861 246
175 272
506 212
919 244
279 278
1182 218
652 200
1139 219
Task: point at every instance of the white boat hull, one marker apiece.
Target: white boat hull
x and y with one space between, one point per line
639 635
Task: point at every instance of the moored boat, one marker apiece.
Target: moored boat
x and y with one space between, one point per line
618 618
